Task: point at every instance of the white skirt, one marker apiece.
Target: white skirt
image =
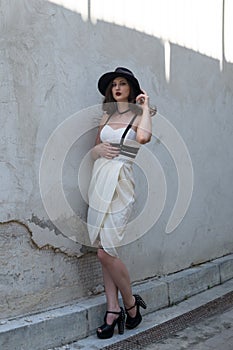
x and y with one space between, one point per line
111 198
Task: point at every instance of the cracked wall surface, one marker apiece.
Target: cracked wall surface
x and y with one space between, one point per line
31 107
50 61
33 279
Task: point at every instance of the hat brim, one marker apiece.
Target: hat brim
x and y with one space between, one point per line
106 78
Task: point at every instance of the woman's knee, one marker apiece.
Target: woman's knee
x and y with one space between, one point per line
101 255
104 257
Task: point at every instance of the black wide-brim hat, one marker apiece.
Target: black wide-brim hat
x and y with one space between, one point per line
106 78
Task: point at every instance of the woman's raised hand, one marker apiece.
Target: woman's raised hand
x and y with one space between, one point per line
106 150
143 99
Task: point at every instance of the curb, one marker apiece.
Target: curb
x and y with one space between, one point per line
171 326
70 323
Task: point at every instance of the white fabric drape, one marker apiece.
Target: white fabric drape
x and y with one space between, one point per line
111 197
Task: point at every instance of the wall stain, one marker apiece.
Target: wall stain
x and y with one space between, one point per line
44 224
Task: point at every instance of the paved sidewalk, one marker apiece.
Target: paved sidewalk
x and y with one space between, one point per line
176 297
200 330
214 333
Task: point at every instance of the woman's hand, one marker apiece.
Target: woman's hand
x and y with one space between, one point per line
143 99
105 150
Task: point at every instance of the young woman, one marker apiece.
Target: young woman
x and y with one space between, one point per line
125 124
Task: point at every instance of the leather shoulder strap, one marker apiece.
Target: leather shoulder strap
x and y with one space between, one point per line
129 126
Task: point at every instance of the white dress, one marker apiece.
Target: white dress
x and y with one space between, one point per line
111 190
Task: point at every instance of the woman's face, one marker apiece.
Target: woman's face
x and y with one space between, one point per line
120 89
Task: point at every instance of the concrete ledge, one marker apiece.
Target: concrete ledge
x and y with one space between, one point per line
154 291
67 324
154 319
45 329
226 267
192 281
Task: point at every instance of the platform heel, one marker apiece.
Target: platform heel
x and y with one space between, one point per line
106 331
132 322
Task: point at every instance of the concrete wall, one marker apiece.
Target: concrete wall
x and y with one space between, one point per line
51 56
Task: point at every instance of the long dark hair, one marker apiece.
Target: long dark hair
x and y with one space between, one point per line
110 104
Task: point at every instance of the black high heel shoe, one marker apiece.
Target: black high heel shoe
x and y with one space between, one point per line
108 330
132 322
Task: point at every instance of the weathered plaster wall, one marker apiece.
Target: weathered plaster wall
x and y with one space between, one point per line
33 279
50 60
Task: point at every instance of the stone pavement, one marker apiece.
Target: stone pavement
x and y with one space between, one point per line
160 330
213 333
169 298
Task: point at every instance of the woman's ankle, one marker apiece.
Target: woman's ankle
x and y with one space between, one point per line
130 304
115 308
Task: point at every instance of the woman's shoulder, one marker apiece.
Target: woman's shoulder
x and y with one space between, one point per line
104 118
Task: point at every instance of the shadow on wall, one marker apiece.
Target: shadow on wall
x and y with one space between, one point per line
52 58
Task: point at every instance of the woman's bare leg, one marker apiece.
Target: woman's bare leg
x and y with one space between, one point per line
111 292
117 274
